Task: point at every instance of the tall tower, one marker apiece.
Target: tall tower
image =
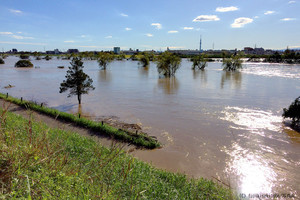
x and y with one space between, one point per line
200 49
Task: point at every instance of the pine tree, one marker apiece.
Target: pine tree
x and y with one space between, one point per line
77 82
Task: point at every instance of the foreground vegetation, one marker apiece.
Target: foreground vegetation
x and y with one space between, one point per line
42 163
23 63
139 139
293 112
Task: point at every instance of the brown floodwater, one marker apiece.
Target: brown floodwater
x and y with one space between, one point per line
213 124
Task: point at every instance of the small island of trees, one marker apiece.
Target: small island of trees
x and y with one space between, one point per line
23 63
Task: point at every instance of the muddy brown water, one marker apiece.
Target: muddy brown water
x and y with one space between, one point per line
213 124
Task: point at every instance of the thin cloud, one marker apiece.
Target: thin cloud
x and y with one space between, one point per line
15 11
149 35
226 9
288 19
157 25
69 41
206 18
290 2
269 12
19 37
128 29
6 33
256 17
241 22
27 43
188 28
172 31
124 15
108 37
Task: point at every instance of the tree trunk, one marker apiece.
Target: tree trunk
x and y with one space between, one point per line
79 98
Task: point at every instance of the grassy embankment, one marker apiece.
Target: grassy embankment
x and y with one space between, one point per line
139 139
38 162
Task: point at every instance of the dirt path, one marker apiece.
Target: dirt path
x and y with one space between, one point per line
54 123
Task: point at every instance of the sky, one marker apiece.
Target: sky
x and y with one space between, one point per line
88 25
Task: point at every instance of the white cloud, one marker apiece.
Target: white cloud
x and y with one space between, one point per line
149 35
108 37
157 25
290 2
269 12
69 41
240 22
172 31
288 19
124 15
83 36
226 9
256 17
15 11
19 37
128 29
6 33
188 28
27 43
206 18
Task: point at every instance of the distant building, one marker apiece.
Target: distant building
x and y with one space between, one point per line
50 52
255 51
184 52
72 51
56 51
117 50
14 51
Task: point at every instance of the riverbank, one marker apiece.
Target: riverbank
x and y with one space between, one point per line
42 162
139 139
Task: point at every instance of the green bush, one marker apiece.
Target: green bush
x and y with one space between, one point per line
2 61
23 63
24 56
293 112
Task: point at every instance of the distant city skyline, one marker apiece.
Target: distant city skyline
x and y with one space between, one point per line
95 25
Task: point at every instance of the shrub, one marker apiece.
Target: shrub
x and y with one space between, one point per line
232 64
199 62
23 63
167 64
24 56
293 112
2 61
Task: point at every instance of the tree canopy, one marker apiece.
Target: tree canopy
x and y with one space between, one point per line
23 63
293 112
104 59
199 62
233 63
77 82
168 63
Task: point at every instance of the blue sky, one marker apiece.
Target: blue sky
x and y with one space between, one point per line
36 25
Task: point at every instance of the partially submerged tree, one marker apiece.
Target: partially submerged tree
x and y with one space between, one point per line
104 59
23 63
167 64
76 81
199 62
293 112
24 56
1 61
233 63
144 60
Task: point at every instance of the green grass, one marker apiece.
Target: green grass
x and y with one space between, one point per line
37 162
140 139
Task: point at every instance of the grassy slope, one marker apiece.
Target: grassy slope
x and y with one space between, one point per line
141 139
39 162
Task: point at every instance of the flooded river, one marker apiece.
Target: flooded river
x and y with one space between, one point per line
213 124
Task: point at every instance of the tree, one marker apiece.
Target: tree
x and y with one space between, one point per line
199 62
168 63
232 64
1 61
144 60
76 80
104 59
293 112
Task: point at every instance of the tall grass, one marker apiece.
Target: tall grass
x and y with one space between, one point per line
37 162
140 139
